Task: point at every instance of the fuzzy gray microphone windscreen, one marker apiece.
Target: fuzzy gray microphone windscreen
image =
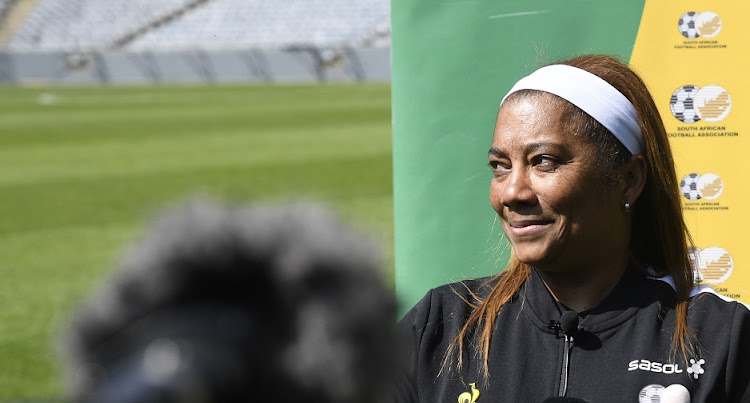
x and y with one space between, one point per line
228 304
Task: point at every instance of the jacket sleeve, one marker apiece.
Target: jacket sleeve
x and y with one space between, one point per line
410 329
738 363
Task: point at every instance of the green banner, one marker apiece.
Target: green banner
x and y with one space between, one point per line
452 63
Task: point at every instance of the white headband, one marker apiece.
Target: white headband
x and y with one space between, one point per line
593 95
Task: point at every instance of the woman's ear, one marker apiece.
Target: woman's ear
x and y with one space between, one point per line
635 173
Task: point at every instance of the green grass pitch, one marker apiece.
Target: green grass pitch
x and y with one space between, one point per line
83 169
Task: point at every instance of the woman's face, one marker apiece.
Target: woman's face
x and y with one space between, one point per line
557 212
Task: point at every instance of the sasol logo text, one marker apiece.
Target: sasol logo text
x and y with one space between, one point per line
653 366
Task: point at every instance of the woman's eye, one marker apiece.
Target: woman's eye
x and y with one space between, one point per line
546 163
498 166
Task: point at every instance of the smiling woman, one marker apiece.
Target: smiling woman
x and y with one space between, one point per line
600 276
544 179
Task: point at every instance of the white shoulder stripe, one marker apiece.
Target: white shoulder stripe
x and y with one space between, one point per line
667 279
699 289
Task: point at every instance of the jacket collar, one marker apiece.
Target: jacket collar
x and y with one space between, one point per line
629 295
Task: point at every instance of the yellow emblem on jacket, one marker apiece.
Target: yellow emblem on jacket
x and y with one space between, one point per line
469 397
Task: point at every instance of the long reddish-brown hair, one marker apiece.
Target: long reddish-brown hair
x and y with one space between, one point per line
659 239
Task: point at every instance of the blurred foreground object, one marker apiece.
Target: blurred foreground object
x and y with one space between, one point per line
222 304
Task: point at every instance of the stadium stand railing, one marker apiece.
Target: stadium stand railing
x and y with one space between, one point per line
156 23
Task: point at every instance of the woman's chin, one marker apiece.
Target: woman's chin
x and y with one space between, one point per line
542 261
531 255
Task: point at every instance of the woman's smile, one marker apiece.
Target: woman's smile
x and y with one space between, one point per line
528 228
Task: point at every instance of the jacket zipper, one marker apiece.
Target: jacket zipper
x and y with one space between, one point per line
565 365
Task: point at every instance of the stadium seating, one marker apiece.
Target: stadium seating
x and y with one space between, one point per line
239 23
3 5
64 25
84 25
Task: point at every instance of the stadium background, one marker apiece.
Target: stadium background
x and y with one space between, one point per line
255 100
243 100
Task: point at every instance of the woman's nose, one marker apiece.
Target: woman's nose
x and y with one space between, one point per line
517 189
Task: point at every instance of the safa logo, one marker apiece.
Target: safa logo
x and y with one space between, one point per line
693 25
695 186
657 393
690 103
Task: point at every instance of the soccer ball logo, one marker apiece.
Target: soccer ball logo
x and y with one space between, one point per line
689 187
707 186
651 394
691 103
686 24
682 104
693 25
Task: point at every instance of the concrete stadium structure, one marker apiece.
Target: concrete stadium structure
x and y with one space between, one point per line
189 41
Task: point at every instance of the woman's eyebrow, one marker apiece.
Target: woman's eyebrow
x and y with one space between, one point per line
531 147
536 146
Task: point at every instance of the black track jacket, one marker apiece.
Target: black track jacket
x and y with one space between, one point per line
617 352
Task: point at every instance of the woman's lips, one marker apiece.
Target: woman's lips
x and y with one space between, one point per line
525 228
